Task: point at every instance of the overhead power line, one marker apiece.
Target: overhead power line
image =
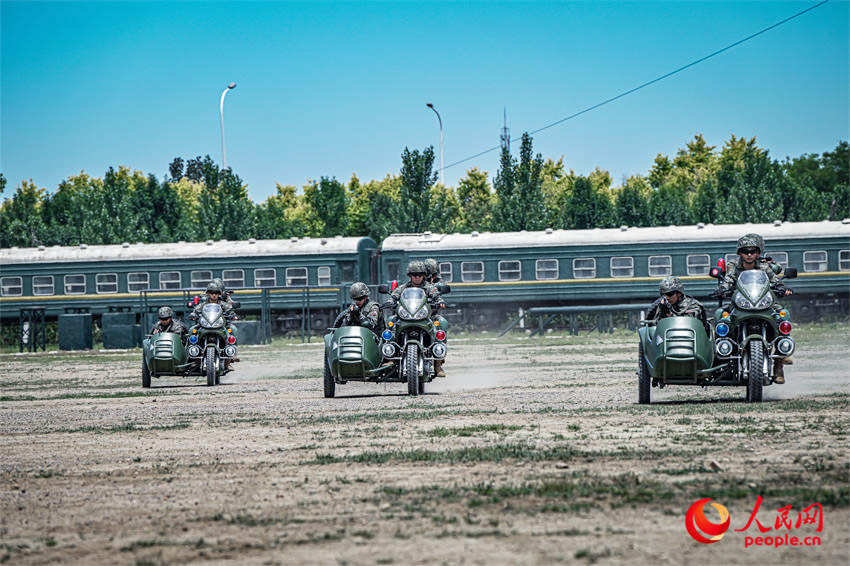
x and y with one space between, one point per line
646 84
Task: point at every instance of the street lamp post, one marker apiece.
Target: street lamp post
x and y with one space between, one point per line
231 86
431 106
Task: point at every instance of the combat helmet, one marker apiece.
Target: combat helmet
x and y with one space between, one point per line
416 267
431 267
220 282
670 284
751 241
358 291
165 312
214 287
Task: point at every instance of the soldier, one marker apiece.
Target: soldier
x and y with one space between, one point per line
432 271
750 248
416 271
225 294
214 295
363 312
168 324
674 302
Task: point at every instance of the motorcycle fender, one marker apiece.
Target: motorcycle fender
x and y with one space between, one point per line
752 337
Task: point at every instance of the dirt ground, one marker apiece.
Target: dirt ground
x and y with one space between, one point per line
531 451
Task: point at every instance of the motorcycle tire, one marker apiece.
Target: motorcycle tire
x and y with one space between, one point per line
146 374
330 384
643 378
211 366
411 369
756 370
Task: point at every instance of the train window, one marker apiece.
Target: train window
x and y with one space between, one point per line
233 278
660 265
843 260
138 281
814 261
75 284
42 285
265 277
346 271
170 280
13 286
201 278
546 268
584 268
392 270
622 267
472 271
779 257
106 282
324 275
510 270
446 271
296 276
698 264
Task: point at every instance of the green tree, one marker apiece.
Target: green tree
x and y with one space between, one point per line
21 222
417 180
588 207
328 200
445 209
529 188
631 203
475 201
669 205
506 209
750 184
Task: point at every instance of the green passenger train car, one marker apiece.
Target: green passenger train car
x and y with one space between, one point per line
495 273
101 278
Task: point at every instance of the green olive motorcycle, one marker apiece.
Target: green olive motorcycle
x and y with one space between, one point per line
210 345
753 333
735 350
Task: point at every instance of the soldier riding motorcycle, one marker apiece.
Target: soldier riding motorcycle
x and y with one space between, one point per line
212 341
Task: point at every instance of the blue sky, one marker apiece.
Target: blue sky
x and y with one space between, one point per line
340 88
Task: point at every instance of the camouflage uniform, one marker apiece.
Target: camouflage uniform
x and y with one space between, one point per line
735 267
686 306
368 316
432 271
174 325
430 291
226 304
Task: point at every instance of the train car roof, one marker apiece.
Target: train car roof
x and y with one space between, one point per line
616 236
210 248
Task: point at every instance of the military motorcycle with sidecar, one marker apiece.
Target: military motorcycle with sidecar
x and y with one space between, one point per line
735 350
404 351
210 345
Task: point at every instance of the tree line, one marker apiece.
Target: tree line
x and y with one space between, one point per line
198 200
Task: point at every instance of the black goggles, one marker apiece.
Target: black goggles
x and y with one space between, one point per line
749 250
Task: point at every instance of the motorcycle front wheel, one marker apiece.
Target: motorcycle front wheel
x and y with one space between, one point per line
757 374
211 366
411 369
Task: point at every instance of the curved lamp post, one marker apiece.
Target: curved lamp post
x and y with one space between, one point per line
431 106
231 86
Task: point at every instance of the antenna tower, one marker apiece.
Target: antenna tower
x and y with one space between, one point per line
505 137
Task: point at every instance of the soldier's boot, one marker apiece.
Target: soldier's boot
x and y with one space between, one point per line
779 372
228 365
788 361
438 366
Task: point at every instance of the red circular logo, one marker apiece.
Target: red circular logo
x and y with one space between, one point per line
700 528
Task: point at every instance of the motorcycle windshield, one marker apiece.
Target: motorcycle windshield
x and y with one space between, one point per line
753 284
412 300
211 316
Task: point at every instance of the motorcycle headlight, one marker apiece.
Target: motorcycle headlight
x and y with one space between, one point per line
742 301
723 347
388 350
402 312
230 351
785 346
421 313
218 323
194 351
765 302
439 350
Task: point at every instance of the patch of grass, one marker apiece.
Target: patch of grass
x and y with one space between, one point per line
125 427
118 395
474 430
